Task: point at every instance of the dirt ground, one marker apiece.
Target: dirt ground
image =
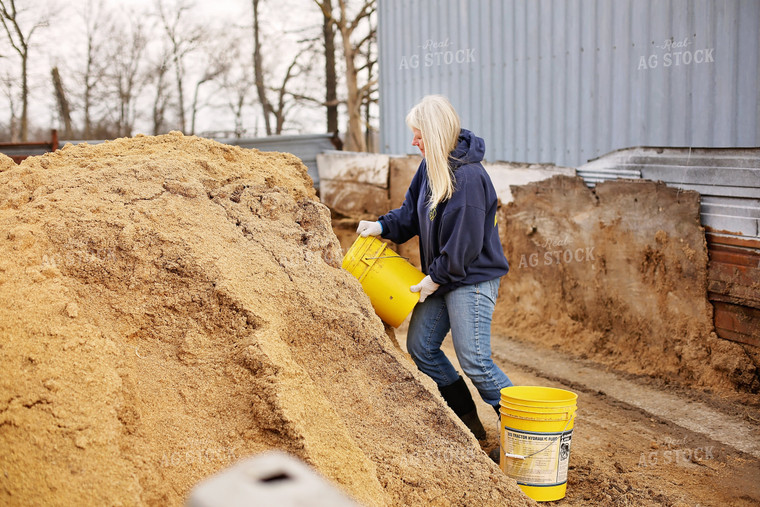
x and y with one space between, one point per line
623 455
606 297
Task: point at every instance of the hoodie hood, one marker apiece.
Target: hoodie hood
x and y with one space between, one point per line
470 149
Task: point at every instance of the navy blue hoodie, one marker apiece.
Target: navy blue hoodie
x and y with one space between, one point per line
459 239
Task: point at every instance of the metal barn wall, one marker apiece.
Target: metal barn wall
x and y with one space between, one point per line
565 81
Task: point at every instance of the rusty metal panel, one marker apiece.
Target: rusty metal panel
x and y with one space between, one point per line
733 285
734 275
20 151
737 323
565 82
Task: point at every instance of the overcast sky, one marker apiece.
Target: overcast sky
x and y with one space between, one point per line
62 44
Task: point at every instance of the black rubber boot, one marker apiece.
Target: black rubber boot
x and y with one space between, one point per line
458 397
495 452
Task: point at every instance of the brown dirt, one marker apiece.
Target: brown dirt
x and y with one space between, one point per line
169 305
6 163
617 275
624 456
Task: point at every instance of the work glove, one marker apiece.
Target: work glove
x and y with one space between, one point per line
367 228
426 287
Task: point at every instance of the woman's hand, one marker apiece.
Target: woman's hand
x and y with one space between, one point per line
367 228
426 287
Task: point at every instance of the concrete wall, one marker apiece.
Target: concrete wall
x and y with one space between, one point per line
368 184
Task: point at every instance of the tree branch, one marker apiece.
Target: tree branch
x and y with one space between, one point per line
367 10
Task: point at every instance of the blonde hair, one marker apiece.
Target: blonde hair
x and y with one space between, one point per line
438 122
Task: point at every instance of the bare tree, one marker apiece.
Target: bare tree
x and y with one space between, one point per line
8 89
331 75
20 40
214 65
258 71
287 99
162 95
238 100
349 26
97 26
237 83
277 101
64 110
183 39
125 64
369 92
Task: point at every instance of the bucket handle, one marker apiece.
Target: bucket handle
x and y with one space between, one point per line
387 257
551 442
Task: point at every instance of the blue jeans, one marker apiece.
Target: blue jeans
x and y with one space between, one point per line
466 311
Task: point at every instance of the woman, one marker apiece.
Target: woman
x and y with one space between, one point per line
451 205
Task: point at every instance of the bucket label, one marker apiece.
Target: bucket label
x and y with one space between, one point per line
547 456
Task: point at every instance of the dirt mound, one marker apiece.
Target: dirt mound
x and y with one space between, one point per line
169 305
617 275
6 163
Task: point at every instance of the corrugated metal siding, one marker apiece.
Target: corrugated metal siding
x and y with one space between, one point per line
728 181
568 81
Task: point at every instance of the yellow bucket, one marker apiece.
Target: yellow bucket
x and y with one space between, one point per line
535 433
385 277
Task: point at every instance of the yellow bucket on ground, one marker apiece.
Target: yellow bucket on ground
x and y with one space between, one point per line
385 277
535 434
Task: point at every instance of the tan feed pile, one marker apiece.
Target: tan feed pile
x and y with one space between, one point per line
169 305
617 275
6 163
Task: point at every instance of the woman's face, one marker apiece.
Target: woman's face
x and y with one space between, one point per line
417 140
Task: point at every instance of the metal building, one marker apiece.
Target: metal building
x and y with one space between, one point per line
566 81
